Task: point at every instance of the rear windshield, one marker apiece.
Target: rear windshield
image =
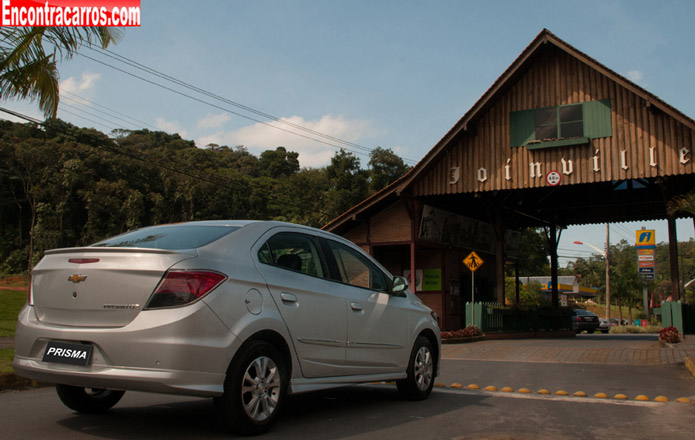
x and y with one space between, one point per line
169 237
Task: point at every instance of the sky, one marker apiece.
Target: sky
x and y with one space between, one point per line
367 73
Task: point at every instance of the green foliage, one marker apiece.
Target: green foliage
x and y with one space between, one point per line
6 358
386 167
68 186
530 295
534 249
11 302
27 71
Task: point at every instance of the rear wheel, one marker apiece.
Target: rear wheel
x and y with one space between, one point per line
420 380
254 390
88 400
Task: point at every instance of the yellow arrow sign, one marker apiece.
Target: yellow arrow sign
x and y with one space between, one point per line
473 261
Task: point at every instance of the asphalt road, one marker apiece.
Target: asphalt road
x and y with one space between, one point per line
377 412
366 412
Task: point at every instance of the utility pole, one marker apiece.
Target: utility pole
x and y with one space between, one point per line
608 272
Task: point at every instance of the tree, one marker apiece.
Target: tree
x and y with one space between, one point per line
349 182
385 167
279 162
533 252
27 71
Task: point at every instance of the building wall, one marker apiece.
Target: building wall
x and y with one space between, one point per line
391 225
559 79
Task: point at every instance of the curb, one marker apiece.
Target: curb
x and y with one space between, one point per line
690 365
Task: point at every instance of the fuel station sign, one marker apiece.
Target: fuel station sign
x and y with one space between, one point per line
645 241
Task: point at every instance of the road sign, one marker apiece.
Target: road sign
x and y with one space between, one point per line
643 270
553 178
473 261
647 276
645 257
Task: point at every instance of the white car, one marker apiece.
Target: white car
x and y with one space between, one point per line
240 311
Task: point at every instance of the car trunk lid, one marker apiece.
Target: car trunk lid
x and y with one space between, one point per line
98 287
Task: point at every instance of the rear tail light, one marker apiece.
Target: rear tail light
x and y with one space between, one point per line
179 288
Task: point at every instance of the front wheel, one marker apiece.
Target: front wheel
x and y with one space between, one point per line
418 385
88 400
254 390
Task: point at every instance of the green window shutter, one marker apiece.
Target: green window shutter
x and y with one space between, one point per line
522 127
597 119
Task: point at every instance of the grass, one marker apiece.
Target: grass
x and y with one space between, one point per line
6 356
11 303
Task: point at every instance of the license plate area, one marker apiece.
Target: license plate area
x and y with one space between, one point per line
68 353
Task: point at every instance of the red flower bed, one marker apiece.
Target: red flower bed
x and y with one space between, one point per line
669 334
467 332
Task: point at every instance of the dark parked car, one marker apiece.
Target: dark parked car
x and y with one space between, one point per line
616 321
584 320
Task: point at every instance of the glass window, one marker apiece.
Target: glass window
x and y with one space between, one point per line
293 251
571 124
169 237
546 123
355 269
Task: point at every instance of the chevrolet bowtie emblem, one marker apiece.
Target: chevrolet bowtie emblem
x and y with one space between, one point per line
76 278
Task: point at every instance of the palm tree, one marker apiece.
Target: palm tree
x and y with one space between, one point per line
27 71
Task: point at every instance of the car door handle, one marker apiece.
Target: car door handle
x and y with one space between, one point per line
288 298
356 306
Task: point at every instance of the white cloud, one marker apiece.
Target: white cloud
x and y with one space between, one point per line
171 127
213 121
81 87
636 77
312 152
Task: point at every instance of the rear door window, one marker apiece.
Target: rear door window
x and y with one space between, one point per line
293 251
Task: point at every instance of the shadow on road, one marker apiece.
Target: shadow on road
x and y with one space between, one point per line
319 415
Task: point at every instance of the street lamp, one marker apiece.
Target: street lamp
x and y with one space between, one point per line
608 275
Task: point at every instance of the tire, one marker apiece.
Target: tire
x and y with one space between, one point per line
88 400
418 385
254 390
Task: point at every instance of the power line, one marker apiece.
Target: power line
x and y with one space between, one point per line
134 122
142 67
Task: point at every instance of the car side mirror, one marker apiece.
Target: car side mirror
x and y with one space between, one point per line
399 285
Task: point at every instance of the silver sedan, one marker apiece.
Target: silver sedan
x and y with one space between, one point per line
240 311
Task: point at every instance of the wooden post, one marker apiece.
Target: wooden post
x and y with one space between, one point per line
499 260
553 265
673 258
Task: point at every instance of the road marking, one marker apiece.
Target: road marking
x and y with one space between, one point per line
548 397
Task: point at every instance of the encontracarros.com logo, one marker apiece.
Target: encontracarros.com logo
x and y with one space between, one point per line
51 13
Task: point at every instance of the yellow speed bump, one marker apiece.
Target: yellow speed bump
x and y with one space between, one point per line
683 400
543 391
601 395
456 385
491 388
524 390
642 397
620 397
473 387
561 393
439 385
661 399
507 390
580 394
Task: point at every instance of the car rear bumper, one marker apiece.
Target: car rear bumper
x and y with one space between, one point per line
180 351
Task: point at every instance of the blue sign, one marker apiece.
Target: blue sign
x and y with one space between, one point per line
646 270
647 276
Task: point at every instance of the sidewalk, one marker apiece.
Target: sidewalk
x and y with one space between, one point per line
574 351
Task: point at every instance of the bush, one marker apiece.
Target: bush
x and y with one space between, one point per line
470 331
669 334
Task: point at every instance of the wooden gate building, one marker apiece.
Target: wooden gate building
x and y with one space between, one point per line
558 140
